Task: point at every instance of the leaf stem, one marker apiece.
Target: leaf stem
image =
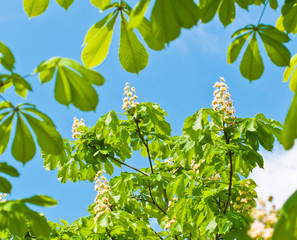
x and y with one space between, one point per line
150 191
127 165
3 98
262 13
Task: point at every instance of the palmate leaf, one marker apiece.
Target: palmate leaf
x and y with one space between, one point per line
35 7
132 54
65 3
6 57
9 170
226 12
251 66
5 129
73 82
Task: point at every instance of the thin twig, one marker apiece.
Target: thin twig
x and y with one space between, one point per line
145 144
262 13
3 98
150 191
141 199
175 171
127 165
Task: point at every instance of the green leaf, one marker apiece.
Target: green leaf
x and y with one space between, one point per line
251 66
165 24
38 223
290 127
7 58
43 116
17 224
291 73
146 31
65 3
208 9
100 3
5 129
132 53
97 48
273 4
290 19
285 227
137 14
23 146
48 138
274 33
5 186
187 12
20 85
227 12
41 200
276 51
9 170
35 7
236 46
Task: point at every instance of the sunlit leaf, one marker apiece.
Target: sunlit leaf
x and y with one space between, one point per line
133 56
65 3
251 66
5 129
236 46
100 3
23 146
227 12
35 7
6 57
137 14
41 200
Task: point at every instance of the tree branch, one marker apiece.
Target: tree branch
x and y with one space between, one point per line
150 191
231 172
127 165
145 144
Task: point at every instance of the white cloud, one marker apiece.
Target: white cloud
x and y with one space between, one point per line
279 176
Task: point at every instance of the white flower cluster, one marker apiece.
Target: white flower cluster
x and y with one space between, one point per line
195 166
102 199
75 125
244 201
222 99
3 197
264 221
129 100
169 223
169 161
214 177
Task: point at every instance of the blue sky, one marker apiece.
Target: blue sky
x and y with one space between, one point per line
179 78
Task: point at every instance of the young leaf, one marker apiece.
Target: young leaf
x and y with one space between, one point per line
290 127
227 12
133 56
276 51
137 14
5 129
291 73
35 7
21 86
251 66
6 57
65 3
23 146
48 138
96 49
165 24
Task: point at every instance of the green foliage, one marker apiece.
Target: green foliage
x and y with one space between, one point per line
21 221
201 203
35 7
